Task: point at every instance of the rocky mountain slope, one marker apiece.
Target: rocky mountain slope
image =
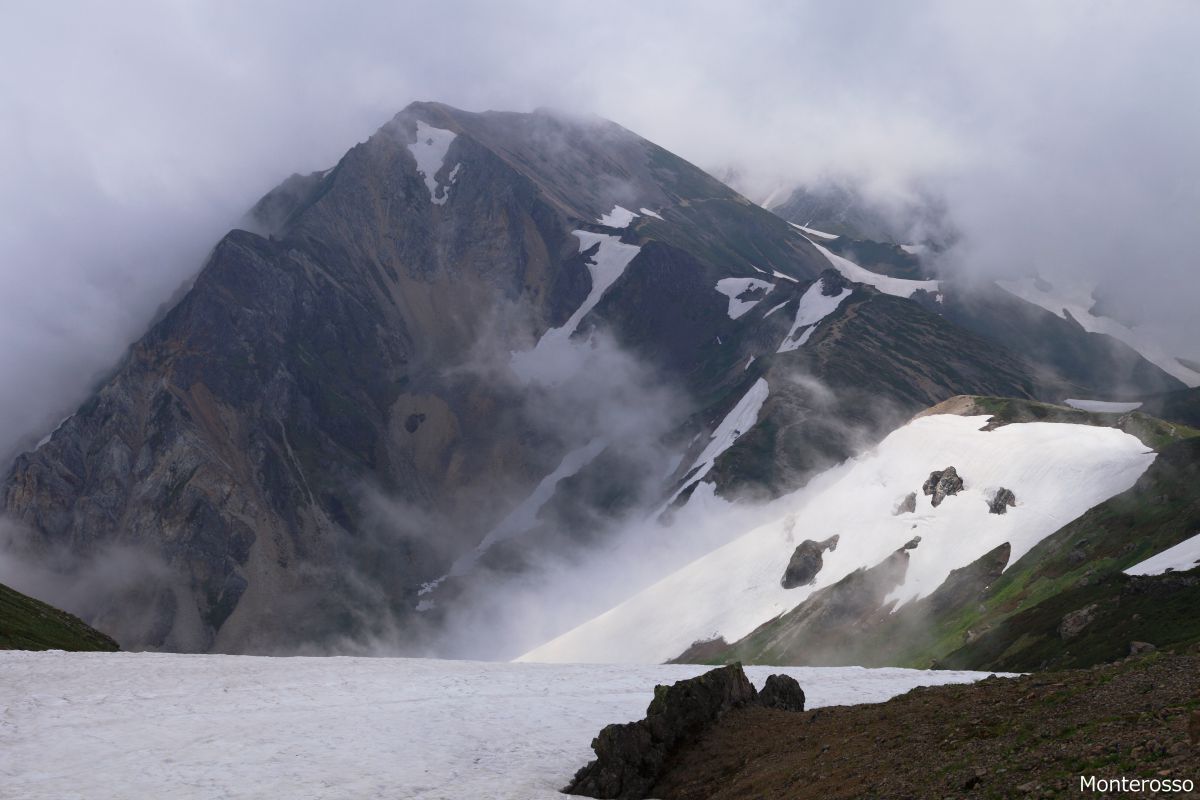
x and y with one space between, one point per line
1032 736
478 336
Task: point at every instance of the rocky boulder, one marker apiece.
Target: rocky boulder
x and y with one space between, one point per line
1073 624
806 562
906 506
782 692
1001 501
942 484
631 757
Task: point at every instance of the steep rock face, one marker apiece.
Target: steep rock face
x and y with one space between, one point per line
287 451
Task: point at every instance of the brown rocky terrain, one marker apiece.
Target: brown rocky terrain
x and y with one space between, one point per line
1025 737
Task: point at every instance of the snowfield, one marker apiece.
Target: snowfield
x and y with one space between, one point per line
1180 558
619 217
814 306
734 287
147 725
1057 471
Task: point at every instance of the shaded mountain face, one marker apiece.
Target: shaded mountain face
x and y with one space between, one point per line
845 211
477 337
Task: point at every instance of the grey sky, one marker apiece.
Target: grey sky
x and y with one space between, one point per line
132 135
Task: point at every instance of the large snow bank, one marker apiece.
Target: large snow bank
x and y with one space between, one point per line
1180 558
1057 472
103 726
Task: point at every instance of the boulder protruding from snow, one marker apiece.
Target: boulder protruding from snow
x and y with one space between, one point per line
631 756
912 543
806 562
906 506
782 692
1002 500
942 484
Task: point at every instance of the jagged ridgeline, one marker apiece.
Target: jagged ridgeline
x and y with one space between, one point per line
477 338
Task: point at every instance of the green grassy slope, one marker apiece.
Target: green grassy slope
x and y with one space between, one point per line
28 624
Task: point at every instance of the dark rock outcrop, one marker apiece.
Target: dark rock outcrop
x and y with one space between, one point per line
906 506
912 543
631 756
782 692
1001 501
942 484
806 562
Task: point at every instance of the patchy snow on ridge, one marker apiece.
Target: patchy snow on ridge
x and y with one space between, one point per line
619 217
1057 471
192 727
1077 301
430 152
733 288
740 419
649 213
814 232
1180 558
814 307
1102 406
900 287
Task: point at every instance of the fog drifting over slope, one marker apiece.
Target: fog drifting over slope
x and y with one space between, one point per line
1062 138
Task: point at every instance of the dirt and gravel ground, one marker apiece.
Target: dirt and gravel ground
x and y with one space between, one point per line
1033 736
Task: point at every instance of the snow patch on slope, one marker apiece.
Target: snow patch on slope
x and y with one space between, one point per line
523 518
740 419
619 217
900 287
430 152
1102 406
1180 558
815 306
814 232
650 213
195 727
1057 472
1077 302
605 267
735 287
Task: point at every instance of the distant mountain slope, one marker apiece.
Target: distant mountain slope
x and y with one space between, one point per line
245 441
28 624
476 340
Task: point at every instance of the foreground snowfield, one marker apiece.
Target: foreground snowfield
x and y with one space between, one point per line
1057 471
145 725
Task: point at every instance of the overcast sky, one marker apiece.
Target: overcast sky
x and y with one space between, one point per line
132 135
